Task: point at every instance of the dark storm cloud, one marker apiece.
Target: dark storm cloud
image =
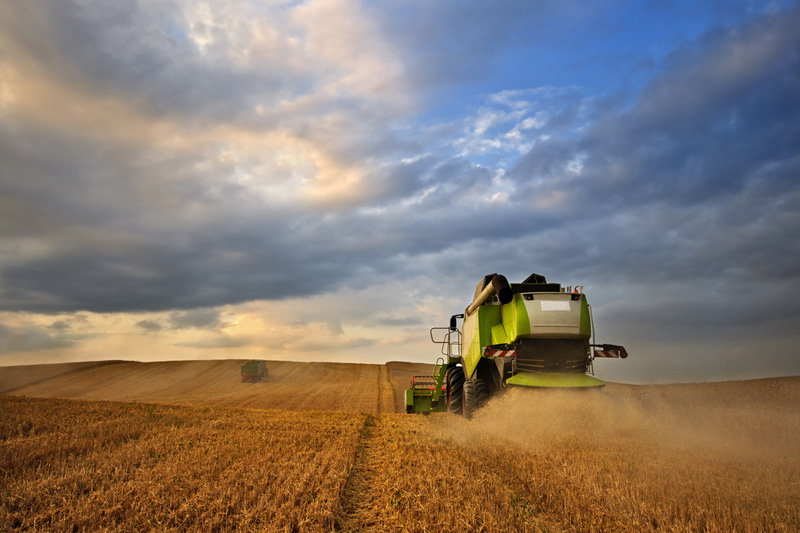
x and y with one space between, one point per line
30 338
196 318
150 325
226 269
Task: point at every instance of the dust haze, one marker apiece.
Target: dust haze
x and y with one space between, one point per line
753 420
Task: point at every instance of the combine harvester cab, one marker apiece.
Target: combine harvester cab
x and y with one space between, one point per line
529 334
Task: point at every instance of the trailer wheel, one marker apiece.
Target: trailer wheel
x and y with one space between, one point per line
455 390
475 395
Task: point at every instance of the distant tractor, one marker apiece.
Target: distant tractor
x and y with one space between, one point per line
253 371
529 334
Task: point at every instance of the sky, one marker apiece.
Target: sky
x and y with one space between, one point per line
325 180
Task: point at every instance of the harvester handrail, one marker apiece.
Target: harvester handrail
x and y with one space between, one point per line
457 344
446 337
447 341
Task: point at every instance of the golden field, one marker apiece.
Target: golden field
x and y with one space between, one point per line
317 447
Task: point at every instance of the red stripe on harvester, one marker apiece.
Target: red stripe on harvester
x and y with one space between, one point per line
499 353
606 353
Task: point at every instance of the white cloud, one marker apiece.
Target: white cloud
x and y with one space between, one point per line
344 43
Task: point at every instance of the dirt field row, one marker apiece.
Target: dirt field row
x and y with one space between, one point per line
288 385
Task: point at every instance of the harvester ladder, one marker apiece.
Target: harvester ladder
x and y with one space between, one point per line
439 371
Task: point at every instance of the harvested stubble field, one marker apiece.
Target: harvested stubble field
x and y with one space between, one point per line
704 457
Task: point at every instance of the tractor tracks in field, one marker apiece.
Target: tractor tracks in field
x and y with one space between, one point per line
357 511
355 505
386 403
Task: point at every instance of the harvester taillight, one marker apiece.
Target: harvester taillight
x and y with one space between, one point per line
611 350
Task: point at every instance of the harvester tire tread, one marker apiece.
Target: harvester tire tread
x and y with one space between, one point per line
476 393
455 390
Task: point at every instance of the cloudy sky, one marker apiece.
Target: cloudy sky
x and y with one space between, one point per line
325 180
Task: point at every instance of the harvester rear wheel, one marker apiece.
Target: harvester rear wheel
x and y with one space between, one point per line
475 395
455 390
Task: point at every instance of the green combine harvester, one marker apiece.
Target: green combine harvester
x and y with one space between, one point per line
529 334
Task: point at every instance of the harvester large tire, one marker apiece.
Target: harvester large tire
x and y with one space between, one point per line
475 395
455 390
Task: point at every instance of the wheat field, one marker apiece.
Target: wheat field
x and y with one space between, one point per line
701 457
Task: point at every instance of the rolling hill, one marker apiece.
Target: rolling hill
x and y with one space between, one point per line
288 385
